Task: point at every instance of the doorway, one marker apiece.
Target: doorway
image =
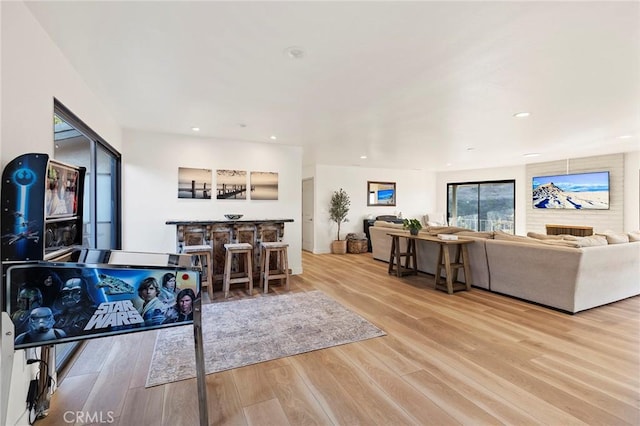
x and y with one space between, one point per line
307 215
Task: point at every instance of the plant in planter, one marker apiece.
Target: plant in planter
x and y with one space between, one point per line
338 209
413 225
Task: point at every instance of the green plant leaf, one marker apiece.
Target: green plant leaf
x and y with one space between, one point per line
339 208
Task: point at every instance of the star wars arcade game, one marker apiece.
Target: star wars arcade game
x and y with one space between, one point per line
55 291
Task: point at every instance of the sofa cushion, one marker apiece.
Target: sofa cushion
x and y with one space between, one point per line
388 224
589 241
634 236
505 236
615 237
539 236
435 230
567 243
566 240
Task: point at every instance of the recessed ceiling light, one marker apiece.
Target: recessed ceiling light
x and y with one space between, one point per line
448 164
470 148
273 138
243 125
625 137
363 157
195 129
294 52
531 154
523 114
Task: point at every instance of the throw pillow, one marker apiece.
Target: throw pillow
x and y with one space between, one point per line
561 243
634 236
503 236
591 241
539 236
615 237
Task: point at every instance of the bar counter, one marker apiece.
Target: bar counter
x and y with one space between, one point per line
217 233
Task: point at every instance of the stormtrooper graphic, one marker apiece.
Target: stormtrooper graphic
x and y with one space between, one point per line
40 327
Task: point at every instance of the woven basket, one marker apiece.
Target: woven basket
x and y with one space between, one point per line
357 246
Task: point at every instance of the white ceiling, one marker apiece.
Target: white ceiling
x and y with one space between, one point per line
408 84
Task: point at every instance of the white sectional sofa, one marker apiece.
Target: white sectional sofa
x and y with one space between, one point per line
567 273
567 278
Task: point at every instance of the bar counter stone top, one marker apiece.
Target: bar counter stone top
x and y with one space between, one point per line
224 221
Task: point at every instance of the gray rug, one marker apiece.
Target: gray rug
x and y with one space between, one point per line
250 331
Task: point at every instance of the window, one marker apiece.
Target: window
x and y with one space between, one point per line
482 206
76 144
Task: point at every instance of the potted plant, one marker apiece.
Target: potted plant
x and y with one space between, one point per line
413 225
338 209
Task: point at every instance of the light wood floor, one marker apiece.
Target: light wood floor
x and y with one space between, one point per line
468 358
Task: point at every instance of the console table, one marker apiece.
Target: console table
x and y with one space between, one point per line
217 233
578 231
451 265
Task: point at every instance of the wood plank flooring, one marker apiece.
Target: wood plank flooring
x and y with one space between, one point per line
470 358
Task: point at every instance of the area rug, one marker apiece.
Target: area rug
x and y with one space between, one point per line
249 331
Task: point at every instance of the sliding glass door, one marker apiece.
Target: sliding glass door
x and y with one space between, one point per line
482 206
77 144
107 226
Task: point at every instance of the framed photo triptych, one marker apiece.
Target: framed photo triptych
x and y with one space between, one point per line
230 184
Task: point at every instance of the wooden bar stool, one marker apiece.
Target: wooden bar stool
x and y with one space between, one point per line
201 256
282 264
245 249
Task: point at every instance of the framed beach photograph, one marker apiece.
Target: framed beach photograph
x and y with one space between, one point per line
264 185
194 183
231 185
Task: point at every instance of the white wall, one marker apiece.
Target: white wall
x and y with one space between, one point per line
632 191
150 193
415 196
33 72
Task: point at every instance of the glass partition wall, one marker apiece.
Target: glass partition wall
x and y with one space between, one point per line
482 206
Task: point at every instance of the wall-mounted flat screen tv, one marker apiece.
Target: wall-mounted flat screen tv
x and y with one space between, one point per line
385 195
572 191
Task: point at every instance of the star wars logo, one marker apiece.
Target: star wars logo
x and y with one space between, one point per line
112 314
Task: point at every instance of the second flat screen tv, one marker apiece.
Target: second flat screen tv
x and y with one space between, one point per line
572 191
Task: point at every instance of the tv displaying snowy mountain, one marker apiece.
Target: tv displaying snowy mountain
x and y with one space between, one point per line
572 191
